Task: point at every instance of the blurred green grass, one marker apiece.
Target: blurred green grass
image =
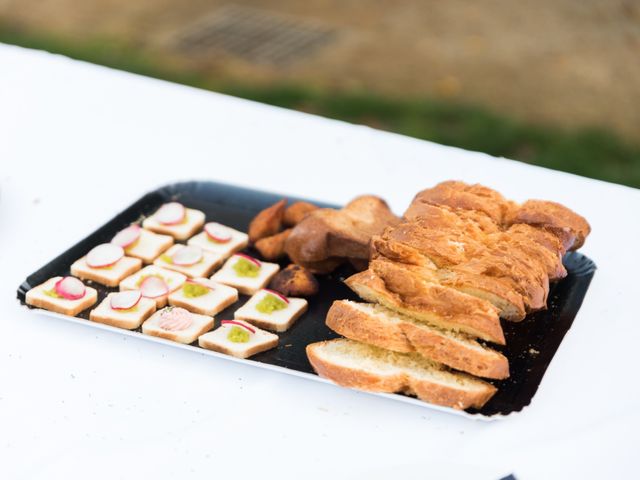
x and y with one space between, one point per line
594 153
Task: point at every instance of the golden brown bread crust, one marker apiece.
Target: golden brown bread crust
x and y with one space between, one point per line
433 303
268 222
426 390
570 228
272 248
295 281
405 336
326 234
295 212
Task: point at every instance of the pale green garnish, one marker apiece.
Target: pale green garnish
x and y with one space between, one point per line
238 335
193 290
270 303
246 268
52 293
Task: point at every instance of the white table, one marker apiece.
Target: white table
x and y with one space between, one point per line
79 142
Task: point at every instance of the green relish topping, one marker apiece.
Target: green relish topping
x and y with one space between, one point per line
52 293
238 335
246 268
166 258
270 303
144 277
129 310
193 290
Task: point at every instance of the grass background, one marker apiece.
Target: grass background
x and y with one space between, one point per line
594 153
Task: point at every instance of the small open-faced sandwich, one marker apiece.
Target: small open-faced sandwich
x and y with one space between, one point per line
218 238
177 324
246 273
105 264
141 243
204 296
239 339
191 260
272 310
126 309
176 220
66 295
154 282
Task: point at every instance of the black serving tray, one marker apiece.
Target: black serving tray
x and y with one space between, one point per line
531 344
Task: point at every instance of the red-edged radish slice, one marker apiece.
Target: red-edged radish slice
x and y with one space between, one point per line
170 213
277 294
217 232
187 255
70 288
255 261
175 318
240 324
200 283
125 300
153 287
128 236
104 255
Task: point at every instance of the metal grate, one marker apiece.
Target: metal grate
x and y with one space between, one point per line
255 35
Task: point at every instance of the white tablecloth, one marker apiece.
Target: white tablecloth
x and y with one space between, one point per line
79 142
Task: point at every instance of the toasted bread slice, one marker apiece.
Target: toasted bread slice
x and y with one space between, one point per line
379 326
365 367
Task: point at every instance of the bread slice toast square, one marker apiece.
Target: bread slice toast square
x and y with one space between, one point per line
277 320
43 296
207 264
128 319
246 285
193 221
199 325
238 241
148 246
214 301
218 341
174 280
109 276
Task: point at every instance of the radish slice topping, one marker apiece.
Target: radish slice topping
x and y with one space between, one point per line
70 288
277 294
240 324
217 232
125 300
175 318
255 261
128 236
104 255
153 287
170 213
187 255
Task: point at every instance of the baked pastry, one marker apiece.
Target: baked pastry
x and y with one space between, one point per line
245 273
366 367
326 237
295 281
272 310
174 219
105 264
272 248
203 296
268 222
141 243
154 282
295 212
126 309
177 324
65 295
238 339
376 325
220 239
190 260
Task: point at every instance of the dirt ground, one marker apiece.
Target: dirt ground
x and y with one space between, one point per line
570 63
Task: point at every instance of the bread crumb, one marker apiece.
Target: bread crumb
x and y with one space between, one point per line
533 351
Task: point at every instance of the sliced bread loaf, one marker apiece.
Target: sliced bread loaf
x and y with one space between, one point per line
379 326
365 367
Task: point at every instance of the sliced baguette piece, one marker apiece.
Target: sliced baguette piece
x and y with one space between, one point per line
379 326
366 367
